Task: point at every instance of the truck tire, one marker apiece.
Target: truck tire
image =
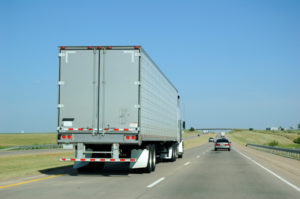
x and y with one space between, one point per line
180 155
174 153
153 157
148 169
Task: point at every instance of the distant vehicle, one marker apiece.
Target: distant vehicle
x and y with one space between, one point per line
222 134
222 143
211 139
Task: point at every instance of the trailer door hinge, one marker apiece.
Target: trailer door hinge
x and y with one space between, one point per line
137 54
137 83
60 106
61 82
137 106
61 54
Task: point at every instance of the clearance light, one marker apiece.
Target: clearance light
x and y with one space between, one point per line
136 47
108 47
70 129
62 48
99 47
89 47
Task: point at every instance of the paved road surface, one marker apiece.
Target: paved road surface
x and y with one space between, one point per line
202 173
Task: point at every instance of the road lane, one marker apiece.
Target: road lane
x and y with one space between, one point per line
220 174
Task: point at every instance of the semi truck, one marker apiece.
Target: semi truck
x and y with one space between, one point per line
116 106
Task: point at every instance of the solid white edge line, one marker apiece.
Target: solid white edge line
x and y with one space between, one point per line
271 172
187 163
156 182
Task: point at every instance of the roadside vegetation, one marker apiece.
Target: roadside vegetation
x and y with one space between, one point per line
14 139
285 139
29 164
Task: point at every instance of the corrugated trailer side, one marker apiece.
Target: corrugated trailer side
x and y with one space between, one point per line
159 104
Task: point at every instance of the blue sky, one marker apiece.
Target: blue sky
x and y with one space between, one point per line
235 63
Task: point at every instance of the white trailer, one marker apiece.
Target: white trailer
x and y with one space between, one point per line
115 105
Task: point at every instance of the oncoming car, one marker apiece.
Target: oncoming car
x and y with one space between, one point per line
222 143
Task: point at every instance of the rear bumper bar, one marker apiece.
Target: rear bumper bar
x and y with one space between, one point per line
97 160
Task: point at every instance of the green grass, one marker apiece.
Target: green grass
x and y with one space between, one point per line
283 138
9 140
22 165
203 139
188 133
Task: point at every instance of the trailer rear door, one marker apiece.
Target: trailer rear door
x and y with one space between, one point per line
120 98
78 93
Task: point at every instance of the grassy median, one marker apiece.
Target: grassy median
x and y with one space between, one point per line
21 165
14 139
197 141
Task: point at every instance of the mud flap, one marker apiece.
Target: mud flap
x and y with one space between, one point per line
142 156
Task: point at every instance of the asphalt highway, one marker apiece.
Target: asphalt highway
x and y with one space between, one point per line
201 173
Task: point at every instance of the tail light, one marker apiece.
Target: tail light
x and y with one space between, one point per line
63 137
217 144
227 144
127 137
69 137
133 137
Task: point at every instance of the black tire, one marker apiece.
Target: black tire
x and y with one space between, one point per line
148 169
174 156
229 149
180 155
216 149
153 158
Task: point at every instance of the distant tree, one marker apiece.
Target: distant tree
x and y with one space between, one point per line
291 128
268 129
281 128
250 129
192 129
299 126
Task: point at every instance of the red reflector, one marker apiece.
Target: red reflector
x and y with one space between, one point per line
63 159
122 160
99 47
108 47
69 137
90 47
63 48
90 129
92 160
127 137
63 137
70 129
126 129
132 160
72 159
112 160
116 129
82 159
133 137
136 47
105 129
80 129
102 160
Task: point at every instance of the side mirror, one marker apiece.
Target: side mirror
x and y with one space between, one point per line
183 124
